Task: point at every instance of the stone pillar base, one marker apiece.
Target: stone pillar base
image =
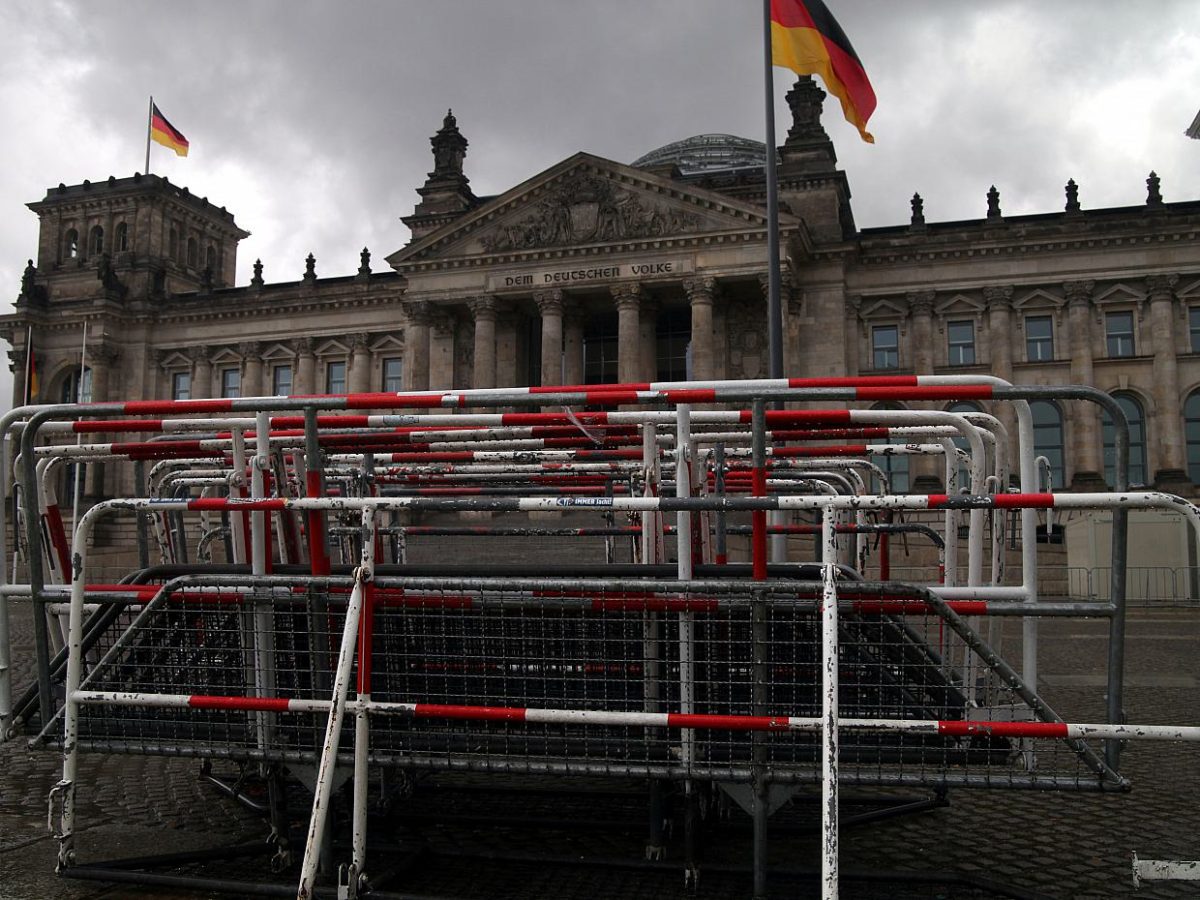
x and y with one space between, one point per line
1088 483
1173 481
926 484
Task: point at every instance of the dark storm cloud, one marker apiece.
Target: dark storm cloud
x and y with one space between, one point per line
311 121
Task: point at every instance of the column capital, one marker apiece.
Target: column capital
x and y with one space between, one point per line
358 340
920 303
701 289
303 346
418 312
1078 293
998 295
442 322
549 303
1161 287
483 307
199 354
628 295
249 349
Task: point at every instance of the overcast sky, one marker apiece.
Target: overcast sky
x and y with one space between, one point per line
310 121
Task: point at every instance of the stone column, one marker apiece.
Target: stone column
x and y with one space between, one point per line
550 305
573 342
202 373
628 298
306 365
252 369
927 472
102 359
358 379
1085 435
1000 340
441 351
700 294
484 311
416 344
648 339
1168 415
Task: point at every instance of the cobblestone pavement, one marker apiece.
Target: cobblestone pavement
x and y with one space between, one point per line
1038 844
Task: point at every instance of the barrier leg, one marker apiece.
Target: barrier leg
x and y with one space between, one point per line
328 760
829 715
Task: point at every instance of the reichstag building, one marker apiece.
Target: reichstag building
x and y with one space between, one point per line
600 271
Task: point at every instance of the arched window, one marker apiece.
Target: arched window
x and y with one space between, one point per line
964 471
173 245
1191 434
1137 440
210 260
896 466
96 241
121 244
193 252
70 391
1048 438
71 244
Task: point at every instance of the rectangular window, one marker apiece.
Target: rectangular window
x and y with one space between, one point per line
181 386
674 335
1194 327
393 374
961 338
231 383
281 381
1118 331
1039 338
885 347
335 378
600 351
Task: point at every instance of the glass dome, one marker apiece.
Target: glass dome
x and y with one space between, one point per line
708 153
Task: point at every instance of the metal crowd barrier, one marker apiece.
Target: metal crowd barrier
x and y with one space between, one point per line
319 645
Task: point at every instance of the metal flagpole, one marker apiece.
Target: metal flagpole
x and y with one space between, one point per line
774 306
774 309
149 127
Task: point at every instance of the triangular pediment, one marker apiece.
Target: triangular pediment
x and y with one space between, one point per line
586 202
1118 294
1038 299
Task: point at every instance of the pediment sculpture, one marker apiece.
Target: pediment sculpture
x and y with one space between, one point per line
589 209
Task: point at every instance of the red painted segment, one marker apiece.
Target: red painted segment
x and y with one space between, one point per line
268 704
221 504
1005 729
58 540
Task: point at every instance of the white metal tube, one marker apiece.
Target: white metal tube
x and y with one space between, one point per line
829 710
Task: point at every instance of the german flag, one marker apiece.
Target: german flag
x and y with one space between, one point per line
163 132
806 38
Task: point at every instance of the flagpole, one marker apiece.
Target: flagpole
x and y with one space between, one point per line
774 307
149 127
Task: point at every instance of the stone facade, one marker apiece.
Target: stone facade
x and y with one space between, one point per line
598 271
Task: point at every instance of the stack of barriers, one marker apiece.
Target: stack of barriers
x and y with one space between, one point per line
316 650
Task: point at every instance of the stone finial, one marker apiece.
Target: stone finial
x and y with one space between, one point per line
449 147
806 100
1153 194
257 280
364 263
993 203
1072 197
917 221
310 268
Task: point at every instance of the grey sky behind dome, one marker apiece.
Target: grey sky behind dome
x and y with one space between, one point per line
310 121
